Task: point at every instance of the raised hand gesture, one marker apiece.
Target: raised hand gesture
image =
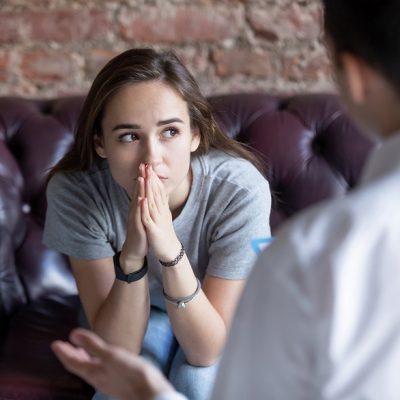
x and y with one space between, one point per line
135 247
157 218
112 370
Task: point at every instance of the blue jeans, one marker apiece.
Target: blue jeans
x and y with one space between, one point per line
161 348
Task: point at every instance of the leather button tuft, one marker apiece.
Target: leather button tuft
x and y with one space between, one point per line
26 208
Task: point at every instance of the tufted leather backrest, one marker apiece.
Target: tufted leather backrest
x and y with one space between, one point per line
33 136
310 148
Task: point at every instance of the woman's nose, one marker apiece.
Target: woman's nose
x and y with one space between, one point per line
151 153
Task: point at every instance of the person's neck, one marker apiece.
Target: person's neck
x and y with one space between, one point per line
388 115
390 132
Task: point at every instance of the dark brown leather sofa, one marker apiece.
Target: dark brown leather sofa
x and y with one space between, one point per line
311 150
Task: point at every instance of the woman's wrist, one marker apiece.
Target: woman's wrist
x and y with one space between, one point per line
173 256
174 261
130 264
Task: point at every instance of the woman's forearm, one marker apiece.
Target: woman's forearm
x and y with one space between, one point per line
199 329
122 319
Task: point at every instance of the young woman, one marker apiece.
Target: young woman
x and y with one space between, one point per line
156 209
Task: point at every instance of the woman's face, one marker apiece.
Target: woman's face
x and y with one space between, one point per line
148 123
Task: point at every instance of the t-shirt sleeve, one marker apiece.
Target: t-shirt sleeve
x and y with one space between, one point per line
243 222
76 224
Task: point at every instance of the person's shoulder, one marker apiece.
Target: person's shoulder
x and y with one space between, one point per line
231 169
63 180
79 180
218 158
304 250
321 223
334 226
334 241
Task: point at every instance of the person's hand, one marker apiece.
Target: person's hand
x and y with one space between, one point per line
112 370
157 218
135 246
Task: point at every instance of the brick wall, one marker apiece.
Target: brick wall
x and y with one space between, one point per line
55 47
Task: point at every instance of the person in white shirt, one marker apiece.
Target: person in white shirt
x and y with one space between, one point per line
318 317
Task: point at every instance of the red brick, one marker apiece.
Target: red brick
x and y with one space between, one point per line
10 25
66 25
306 67
287 23
96 59
196 61
180 25
45 66
92 29
243 61
56 25
4 66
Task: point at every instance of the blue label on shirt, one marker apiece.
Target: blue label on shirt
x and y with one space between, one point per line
260 244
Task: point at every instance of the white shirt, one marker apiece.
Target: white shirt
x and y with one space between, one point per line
320 314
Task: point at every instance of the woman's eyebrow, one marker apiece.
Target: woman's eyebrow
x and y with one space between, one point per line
126 126
136 126
169 121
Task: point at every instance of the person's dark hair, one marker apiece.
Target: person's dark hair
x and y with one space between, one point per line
135 66
369 29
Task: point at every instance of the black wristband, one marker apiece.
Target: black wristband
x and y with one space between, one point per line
175 260
133 276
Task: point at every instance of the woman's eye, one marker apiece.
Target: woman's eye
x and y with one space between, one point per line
170 133
128 137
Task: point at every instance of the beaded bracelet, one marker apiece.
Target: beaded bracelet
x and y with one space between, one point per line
175 260
180 302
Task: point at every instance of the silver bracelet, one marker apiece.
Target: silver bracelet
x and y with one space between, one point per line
180 302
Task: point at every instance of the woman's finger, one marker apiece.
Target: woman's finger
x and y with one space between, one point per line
152 205
146 216
137 210
142 189
135 194
142 179
159 192
155 189
138 189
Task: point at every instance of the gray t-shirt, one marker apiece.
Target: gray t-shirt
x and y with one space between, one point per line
227 209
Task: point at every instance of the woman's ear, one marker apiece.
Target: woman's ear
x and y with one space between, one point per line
196 137
356 76
99 146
